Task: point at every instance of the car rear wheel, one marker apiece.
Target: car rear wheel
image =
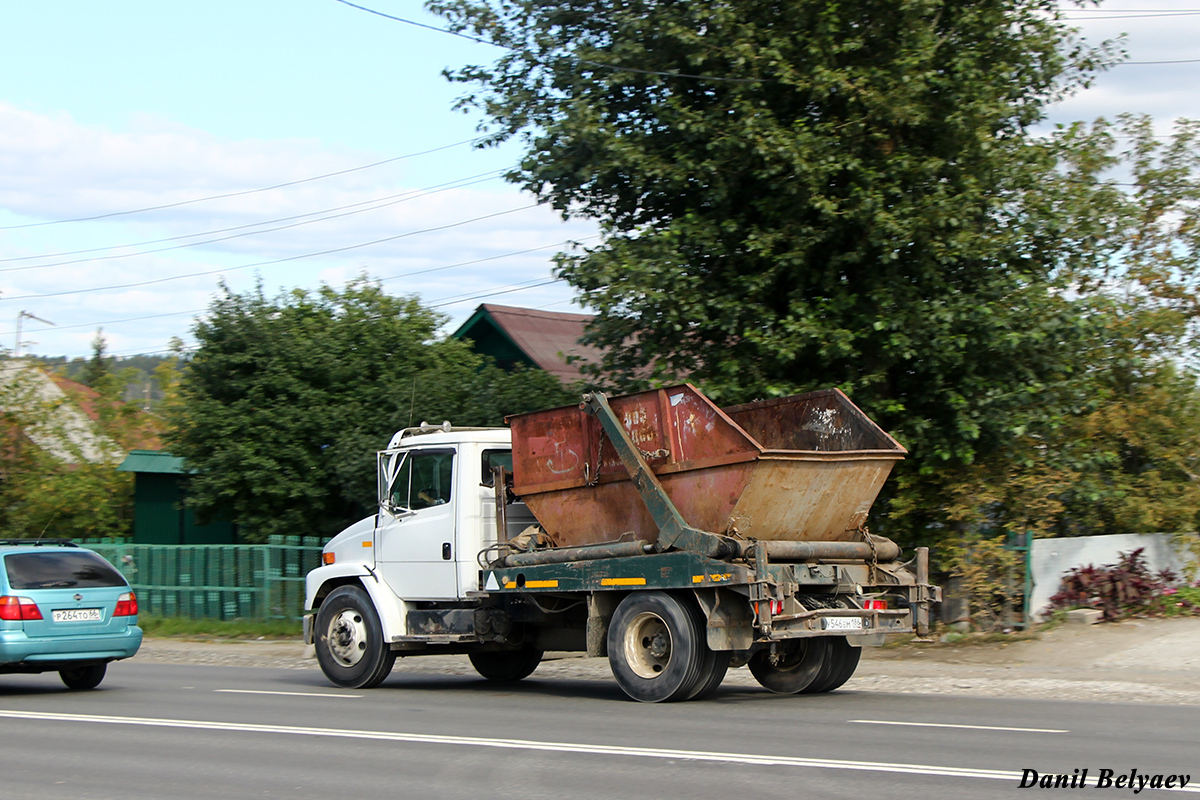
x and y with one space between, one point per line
88 677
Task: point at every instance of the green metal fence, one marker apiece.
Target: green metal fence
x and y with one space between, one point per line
215 581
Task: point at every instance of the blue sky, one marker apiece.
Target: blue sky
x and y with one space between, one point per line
111 107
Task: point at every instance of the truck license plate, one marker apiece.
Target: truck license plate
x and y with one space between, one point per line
843 623
77 615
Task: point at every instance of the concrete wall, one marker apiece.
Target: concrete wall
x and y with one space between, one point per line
1052 558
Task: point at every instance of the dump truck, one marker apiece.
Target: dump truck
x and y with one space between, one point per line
675 537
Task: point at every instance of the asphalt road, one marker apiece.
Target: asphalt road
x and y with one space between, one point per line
159 731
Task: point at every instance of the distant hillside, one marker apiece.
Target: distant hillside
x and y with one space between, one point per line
140 388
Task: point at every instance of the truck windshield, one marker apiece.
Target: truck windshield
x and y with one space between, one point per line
423 480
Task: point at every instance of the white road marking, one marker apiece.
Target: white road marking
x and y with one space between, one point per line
948 725
524 744
285 694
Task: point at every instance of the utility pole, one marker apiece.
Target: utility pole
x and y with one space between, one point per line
22 316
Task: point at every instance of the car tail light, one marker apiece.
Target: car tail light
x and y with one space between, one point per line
875 605
19 608
126 605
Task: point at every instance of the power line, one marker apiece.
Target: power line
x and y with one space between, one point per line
487 258
460 183
391 202
420 24
441 303
1145 63
237 194
614 67
103 323
1127 14
454 300
273 261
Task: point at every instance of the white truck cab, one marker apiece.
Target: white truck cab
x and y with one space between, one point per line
437 511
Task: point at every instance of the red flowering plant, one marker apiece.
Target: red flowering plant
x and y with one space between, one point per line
1126 588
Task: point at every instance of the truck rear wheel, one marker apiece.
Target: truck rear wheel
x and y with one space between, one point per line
505 665
789 667
349 640
655 647
713 663
841 659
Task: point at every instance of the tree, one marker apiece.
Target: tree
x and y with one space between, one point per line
98 366
282 407
1122 453
58 474
809 193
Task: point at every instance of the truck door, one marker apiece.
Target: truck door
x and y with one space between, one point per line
415 541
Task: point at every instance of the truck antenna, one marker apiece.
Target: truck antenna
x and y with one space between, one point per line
412 402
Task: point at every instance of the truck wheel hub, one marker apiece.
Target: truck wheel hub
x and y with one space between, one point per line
347 638
647 645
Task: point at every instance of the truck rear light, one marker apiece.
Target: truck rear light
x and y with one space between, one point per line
328 558
775 606
19 608
875 605
126 605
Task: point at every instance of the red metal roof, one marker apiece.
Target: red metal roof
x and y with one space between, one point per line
546 337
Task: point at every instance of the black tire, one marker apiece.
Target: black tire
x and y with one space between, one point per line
506 665
714 663
349 640
655 648
841 659
88 677
791 667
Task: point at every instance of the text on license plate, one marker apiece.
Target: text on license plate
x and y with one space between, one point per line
77 615
843 623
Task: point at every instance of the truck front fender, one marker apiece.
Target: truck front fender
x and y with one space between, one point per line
323 580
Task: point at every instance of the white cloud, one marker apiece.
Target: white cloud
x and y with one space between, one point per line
64 170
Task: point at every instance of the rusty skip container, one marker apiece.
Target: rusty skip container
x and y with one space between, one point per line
800 468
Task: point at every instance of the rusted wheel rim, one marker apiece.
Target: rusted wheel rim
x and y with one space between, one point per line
648 645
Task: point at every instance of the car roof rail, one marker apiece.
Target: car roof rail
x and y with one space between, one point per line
37 542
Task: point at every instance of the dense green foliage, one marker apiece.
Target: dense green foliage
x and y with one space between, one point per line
808 193
281 409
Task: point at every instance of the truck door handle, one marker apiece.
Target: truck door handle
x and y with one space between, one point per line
446 551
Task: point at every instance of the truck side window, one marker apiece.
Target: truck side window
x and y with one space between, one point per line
495 458
431 478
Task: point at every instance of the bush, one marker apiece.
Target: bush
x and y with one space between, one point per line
1120 590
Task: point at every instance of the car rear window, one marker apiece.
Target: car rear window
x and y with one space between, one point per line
60 570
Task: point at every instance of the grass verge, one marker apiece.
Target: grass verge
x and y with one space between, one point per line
187 628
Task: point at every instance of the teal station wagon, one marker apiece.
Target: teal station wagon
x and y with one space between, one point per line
63 609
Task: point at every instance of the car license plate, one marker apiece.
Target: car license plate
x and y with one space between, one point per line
843 623
77 615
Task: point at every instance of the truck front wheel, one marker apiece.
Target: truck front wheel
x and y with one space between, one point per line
655 647
506 665
349 640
